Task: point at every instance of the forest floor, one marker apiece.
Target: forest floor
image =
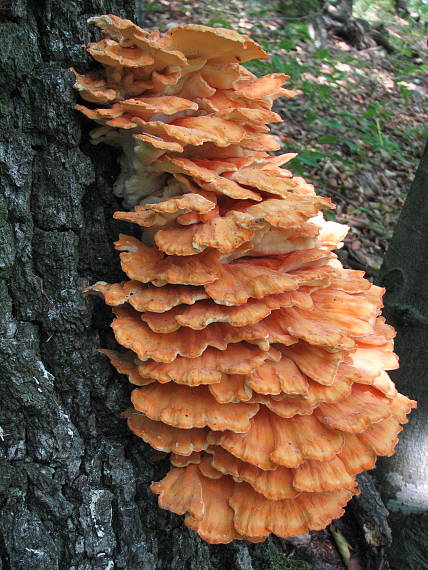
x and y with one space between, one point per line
359 122
359 125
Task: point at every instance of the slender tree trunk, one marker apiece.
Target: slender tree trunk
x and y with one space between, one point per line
404 477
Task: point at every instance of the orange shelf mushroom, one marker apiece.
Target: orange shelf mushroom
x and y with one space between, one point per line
259 361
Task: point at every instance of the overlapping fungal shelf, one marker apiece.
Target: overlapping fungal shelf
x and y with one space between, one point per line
259 362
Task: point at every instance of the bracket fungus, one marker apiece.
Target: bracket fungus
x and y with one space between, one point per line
259 361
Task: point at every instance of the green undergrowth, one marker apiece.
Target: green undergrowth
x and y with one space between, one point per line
329 77
275 560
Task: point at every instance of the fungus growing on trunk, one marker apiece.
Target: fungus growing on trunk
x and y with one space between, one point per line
260 362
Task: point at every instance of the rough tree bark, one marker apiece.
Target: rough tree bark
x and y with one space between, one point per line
404 477
73 480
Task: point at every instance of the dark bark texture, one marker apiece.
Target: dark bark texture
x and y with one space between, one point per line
404 477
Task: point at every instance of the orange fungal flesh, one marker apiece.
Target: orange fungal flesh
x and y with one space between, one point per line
259 362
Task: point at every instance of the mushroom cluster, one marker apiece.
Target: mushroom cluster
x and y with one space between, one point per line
260 362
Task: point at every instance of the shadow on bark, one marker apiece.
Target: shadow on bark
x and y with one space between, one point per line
404 477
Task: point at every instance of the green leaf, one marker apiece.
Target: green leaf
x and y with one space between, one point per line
333 139
342 544
262 12
309 157
223 23
330 216
151 6
324 90
287 44
351 145
329 139
321 53
404 91
311 116
333 124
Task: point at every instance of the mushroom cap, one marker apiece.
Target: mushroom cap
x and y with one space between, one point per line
236 283
261 87
282 482
164 437
124 362
253 311
147 264
291 212
208 368
165 212
194 130
110 53
328 324
231 389
277 378
261 180
166 346
219 45
93 88
165 105
254 118
225 234
206 178
182 461
356 455
320 365
203 500
274 485
148 142
134 334
221 76
257 515
273 441
217 507
372 360
362 408
117 28
145 297
187 408
263 226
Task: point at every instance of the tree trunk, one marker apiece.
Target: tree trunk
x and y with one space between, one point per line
74 482
404 477
400 6
336 19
